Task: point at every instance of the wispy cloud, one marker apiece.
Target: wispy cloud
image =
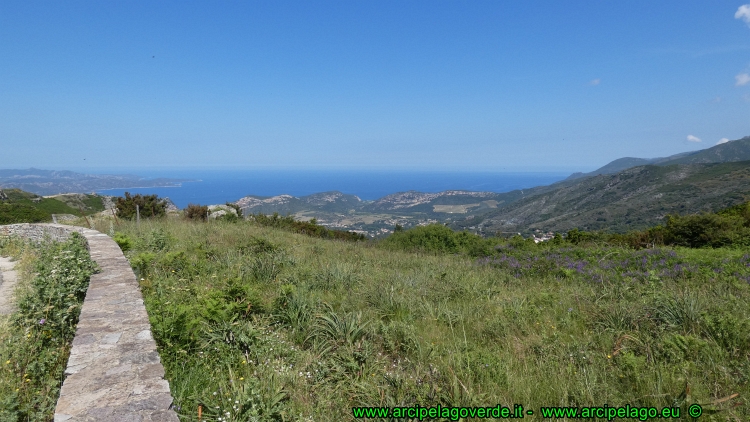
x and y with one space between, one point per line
743 13
595 82
742 79
692 138
722 141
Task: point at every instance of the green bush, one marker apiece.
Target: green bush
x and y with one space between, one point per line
123 241
236 208
11 213
727 228
150 206
713 230
437 238
142 262
196 212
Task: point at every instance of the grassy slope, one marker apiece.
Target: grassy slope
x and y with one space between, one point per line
256 320
24 207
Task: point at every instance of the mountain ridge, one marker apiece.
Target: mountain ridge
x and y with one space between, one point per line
736 150
635 198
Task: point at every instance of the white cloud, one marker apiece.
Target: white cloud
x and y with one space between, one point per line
742 79
722 141
692 138
595 82
743 13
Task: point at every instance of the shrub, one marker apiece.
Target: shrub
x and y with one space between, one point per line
123 241
727 228
236 208
714 230
438 238
142 262
20 213
196 212
149 206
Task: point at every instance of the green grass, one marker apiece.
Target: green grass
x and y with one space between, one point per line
265 323
35 341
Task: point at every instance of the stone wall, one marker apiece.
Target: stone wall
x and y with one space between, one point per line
114 372
38 233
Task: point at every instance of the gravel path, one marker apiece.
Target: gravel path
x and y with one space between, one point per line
8 279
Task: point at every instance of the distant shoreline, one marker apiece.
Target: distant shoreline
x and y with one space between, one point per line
141 187
175 185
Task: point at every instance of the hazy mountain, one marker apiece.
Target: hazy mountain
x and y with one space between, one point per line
731 151
53 182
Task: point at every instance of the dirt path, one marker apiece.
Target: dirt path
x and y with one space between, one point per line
8 279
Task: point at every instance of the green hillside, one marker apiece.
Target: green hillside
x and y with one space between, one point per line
17 206
636 198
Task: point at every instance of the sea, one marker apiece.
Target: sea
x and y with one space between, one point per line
208 187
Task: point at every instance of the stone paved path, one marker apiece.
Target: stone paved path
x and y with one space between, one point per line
7 285
114 373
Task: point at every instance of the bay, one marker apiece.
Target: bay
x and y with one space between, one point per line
220 186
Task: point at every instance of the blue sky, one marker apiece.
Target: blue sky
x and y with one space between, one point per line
455 85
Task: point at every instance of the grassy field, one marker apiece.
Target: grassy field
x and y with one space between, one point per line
257 323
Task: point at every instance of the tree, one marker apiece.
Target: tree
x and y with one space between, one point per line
149 205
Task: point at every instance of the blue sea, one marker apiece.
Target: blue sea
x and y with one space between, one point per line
220 186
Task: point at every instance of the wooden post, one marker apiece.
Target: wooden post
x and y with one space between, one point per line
84 216
138 215
114 214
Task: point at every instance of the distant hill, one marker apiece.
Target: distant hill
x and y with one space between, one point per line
53 182
411 202
738 150
728 152
335 202
17 206
376 218
635 198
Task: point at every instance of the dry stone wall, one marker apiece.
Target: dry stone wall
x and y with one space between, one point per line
114 372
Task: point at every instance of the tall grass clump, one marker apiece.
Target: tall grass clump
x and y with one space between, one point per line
35 341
